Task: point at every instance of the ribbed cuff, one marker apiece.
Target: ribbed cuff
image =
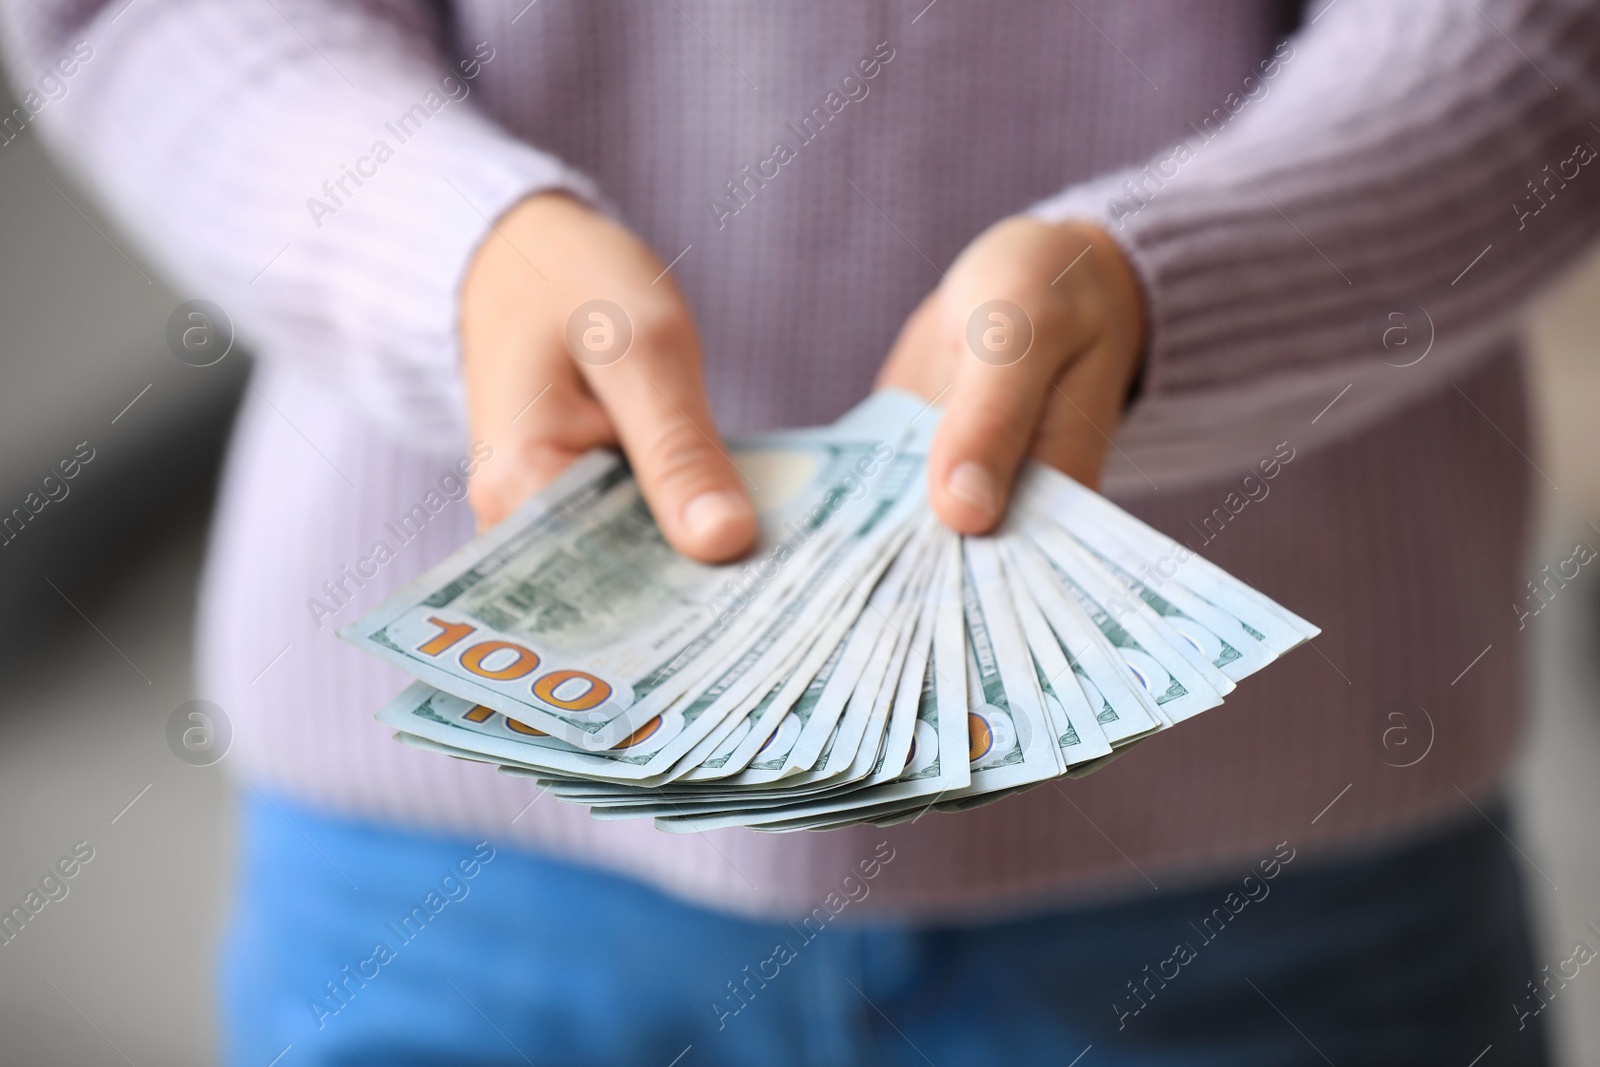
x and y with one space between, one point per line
1271 246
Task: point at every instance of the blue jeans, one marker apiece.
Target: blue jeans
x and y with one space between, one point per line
355 943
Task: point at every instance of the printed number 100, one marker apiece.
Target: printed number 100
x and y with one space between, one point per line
523 662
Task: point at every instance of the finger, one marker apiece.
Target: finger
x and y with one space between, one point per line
1080 416
1015 349
917 361
643 363
534 427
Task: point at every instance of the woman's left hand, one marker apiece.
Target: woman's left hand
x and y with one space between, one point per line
1031 343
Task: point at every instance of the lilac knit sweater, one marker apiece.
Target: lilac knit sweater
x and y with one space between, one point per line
323 169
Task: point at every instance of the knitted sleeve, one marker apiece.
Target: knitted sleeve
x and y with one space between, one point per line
1364 216
317 168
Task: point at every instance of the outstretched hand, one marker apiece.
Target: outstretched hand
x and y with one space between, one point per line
574 336
1031 343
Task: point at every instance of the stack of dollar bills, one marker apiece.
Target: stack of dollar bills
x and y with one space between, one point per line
862 664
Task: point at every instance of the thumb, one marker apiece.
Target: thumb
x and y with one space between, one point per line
991 416
1010 352
654 395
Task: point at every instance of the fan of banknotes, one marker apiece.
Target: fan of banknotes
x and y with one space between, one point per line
862 664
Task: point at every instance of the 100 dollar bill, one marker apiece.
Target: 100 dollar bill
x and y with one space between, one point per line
574 616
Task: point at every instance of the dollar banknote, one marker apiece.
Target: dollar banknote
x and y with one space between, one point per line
862 664
575 616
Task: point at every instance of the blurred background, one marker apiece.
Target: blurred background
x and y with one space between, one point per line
95 645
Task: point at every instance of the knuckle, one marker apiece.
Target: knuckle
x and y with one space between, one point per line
677 454
660 324
991 424
540 460
489 500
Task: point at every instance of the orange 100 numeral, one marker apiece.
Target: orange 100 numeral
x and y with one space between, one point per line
449 634
592 696
522 665
482 713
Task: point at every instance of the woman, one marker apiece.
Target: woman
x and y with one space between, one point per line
1299 253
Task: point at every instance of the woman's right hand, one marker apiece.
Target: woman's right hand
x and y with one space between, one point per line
573 336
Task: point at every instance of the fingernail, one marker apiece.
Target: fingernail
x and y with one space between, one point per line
711 511
971 484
